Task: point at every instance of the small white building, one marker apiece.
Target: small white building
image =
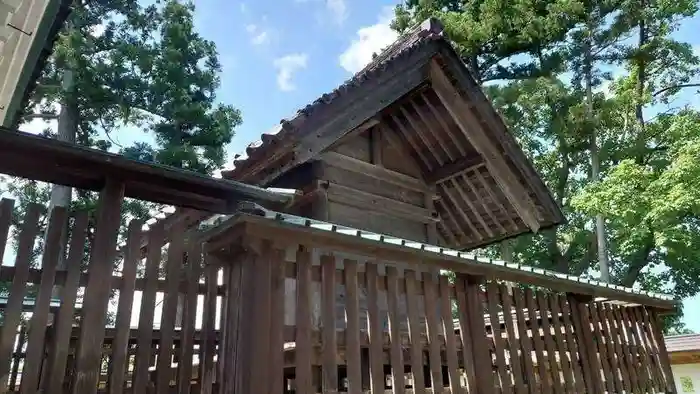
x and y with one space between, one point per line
684 352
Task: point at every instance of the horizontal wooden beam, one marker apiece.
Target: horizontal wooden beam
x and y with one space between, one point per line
34 277
292 234
471 127
372 202
460 166
49 160
379 173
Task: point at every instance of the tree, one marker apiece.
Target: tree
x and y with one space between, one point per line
551 79
191 130
143 67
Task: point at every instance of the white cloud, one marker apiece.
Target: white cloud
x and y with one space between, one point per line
258 35
338 10
369 40
286 67
335 10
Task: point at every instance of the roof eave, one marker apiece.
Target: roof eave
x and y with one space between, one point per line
465 81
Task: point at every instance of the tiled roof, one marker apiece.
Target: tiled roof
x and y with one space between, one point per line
429 31
682 343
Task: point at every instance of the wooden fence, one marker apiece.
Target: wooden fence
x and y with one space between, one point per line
469 335
266 312
41 346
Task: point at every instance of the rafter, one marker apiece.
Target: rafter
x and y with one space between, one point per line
425 127
467 122
443 123
407 136
461 212
483 203
464 164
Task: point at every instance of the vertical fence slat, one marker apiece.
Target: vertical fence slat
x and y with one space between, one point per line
648 329
277 329
633 348
448 327
433 325
515 358
553 303
168 315
525 340
328 334
627 350
483 366
189 316
618 351
577 363
303 351
663 352
353 328
375 331
148 302
587 348
21 340
554 368
414 333
647 365
18 289
499 347
537 340
599 339
207 345
224 335
465 334
609 349
40 314
395 351
6 206
126 299
58 353
97 290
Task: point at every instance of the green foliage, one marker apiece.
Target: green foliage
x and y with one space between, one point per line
143 67
535 56
193 129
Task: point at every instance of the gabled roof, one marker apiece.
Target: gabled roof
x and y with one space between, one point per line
421 91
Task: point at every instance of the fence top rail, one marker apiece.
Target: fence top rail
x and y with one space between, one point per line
39 158
288 229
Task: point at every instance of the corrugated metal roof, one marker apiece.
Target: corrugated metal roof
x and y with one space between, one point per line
428 31
682 343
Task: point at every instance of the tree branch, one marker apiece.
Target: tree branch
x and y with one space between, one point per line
681 86
638 264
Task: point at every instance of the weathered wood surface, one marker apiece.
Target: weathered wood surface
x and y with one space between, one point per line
313 319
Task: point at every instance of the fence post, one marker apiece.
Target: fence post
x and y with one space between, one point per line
481 357
587 349
248 325
92 327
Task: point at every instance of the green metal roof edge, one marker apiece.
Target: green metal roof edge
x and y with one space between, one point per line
387 239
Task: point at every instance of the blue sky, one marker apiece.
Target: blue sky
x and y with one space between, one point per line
277 56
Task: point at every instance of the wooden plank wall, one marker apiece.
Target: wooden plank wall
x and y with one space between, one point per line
140 349
442 335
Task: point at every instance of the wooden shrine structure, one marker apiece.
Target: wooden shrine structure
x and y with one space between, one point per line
342 286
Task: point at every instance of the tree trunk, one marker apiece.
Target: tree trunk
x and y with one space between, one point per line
67 131
595 159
